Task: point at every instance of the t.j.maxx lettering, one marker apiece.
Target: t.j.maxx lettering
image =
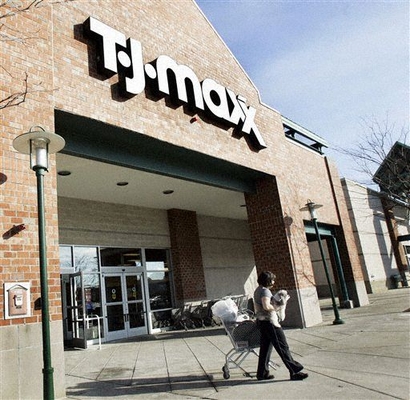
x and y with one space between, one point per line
125 57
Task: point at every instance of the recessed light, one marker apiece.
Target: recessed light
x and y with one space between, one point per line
169 191
64 173
122 183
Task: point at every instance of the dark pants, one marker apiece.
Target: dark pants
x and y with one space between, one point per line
273 336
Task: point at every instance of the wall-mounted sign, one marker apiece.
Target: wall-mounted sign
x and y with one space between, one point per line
122 56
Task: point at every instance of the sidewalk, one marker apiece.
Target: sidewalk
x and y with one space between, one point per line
366 358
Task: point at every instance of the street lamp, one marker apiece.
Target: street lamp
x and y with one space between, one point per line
39 144
311 207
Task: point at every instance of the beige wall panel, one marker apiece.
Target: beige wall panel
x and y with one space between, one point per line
84 222
21 361
227 256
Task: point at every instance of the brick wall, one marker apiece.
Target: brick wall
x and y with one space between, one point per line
27 57
18 202
186 255
268 232
189 41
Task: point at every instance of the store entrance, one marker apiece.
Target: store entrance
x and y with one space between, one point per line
125 310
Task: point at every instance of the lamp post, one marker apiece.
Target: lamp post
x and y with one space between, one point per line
39 144
311 207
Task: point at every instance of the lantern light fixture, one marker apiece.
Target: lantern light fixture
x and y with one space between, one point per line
39 143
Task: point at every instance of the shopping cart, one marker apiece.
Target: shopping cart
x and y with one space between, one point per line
245 338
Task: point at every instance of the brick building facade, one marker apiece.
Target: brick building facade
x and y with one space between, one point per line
236 179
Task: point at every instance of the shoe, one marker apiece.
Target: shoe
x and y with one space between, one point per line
299 376
265 377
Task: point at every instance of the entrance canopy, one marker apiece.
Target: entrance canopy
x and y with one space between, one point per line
101 152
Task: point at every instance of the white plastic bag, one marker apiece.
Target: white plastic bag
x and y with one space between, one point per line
226 310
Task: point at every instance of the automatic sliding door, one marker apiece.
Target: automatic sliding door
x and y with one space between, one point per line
125 309
114 307
135 304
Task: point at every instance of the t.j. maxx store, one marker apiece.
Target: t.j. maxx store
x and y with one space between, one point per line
176 183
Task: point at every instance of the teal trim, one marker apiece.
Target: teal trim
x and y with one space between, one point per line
99 141
304 132
323 230
403 238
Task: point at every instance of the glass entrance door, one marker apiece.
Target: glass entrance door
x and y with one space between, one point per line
124 305
73 310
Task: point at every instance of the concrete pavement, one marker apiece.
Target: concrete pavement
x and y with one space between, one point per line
366 358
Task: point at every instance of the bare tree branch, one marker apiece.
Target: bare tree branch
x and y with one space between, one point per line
373 150
13 7
8 9
16 98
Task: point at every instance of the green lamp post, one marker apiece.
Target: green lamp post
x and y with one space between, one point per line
311 207
39 144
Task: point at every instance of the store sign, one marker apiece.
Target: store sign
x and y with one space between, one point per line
122 56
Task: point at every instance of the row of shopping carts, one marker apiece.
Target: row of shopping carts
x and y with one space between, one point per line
199 315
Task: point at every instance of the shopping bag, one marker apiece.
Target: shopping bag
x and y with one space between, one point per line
226 310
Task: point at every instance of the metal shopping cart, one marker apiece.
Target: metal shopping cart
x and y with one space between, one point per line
245 338
241 330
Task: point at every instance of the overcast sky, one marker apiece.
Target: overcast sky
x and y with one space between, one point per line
323 64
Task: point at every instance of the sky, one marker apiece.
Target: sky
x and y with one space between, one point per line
330 66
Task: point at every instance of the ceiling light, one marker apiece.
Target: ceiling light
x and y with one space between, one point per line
64 173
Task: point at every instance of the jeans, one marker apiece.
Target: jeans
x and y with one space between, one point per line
273 336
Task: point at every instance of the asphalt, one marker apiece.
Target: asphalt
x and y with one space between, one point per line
368 357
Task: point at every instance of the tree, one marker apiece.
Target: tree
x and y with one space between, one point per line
383 155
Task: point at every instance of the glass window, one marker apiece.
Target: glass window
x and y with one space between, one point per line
86 259
125 257
159 281
159 290
113 289
134 287
92 293
157 255
66 257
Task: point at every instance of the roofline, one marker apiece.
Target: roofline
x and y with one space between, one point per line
393 148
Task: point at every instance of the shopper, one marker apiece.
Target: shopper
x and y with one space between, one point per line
272 335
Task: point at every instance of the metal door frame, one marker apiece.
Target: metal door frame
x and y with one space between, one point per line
76 306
